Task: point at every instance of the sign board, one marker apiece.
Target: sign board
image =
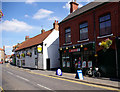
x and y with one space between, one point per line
80 75
83 64
74 50
59 72
39 48
89 64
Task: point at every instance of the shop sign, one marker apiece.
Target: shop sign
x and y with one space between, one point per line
74 50
39 48
83 64
89 64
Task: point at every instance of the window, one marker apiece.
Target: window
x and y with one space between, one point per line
84 31
35 51
105 25
68 35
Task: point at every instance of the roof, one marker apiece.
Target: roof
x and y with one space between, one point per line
83 9
34 40
1 49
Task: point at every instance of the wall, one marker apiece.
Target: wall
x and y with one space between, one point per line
89 17
2 55
51 49
29 61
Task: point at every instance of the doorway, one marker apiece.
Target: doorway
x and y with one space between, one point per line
48 64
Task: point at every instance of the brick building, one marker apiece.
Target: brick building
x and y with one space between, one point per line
82 31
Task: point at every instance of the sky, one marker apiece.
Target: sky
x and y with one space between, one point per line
28 18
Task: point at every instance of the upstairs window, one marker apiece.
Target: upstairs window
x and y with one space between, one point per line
105 25
84 31
68 35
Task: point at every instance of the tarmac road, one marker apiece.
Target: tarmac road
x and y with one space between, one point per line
19 80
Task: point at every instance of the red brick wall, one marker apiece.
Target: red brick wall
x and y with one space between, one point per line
88 16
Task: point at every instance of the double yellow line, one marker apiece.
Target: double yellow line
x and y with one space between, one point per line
78 82
73 81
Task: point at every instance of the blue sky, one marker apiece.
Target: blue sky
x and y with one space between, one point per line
28 18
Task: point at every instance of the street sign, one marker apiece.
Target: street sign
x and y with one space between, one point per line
59 72
39 48
80 75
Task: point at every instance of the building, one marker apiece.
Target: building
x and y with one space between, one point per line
13 56
81 34
41 51
2 54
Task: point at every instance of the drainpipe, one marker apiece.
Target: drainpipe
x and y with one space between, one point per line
116 56
94 34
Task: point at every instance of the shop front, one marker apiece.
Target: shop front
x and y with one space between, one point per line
77 57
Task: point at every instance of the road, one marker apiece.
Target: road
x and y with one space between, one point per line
16 79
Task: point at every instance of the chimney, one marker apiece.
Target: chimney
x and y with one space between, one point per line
73 6
26 38
42 31
55 25
4 48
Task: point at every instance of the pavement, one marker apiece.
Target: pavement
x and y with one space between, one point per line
108 82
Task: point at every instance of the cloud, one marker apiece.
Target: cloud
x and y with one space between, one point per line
26 16
53 18
15 26
8 49
67 5
80 5
29 1
42 13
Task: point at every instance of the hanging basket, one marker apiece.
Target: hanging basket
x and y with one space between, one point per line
105 44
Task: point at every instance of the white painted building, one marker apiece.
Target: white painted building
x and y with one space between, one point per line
47 58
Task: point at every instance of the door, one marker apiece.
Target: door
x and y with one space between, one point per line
76 61
48 64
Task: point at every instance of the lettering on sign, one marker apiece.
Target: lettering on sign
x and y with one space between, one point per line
74 50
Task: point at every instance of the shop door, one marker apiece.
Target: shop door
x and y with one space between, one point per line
76 62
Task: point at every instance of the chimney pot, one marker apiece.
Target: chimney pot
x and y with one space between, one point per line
73 6
42 31
26 38
55 25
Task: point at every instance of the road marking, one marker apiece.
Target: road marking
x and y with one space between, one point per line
93 85
10 73
44 87
22 78
78 82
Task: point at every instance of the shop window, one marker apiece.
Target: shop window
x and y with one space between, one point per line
68 35
65 61
105 25
84 31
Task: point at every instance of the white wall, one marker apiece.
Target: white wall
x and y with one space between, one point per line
29 61
51 49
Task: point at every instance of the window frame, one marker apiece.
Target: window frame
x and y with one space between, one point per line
105 23
66 34
83 28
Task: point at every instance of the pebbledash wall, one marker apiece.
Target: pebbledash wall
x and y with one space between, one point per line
92 17
50 51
